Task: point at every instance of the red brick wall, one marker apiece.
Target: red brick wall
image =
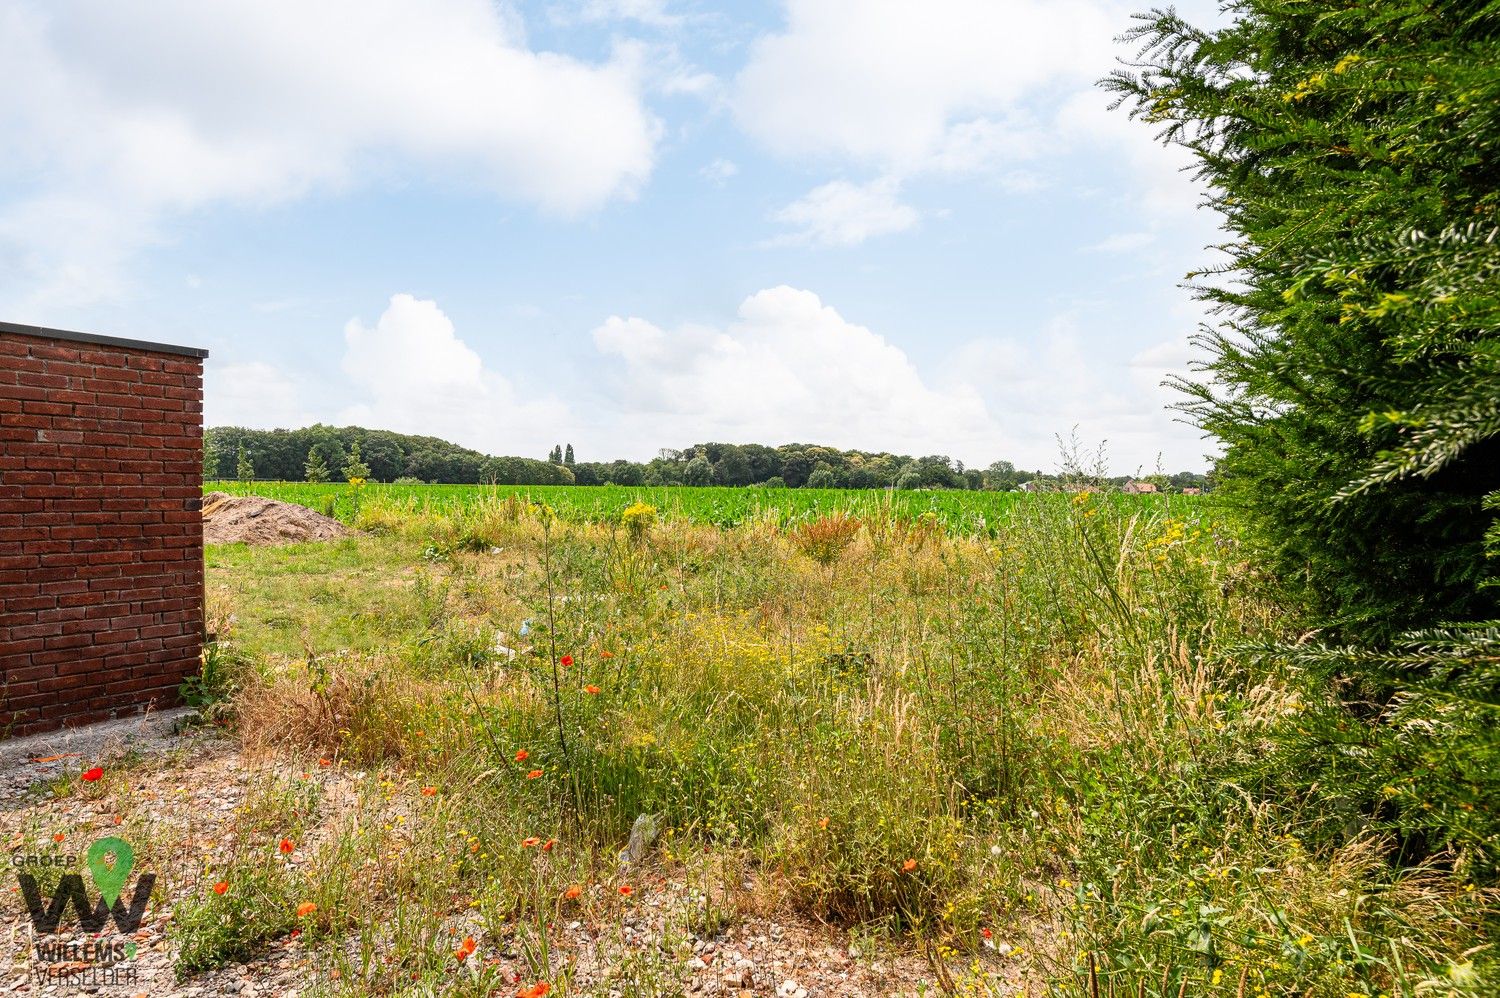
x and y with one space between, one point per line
101 540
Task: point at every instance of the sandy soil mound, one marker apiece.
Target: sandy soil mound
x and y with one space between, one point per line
231 519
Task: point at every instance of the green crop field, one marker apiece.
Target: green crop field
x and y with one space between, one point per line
962 512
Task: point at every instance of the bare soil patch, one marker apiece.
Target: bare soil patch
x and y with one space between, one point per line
257 520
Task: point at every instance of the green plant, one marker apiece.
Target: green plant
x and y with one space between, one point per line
1354 376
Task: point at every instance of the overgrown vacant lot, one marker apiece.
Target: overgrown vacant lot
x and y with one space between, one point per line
938 762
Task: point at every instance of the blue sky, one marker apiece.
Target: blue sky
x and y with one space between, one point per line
625 224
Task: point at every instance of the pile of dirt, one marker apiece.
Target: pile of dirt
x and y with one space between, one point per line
231 519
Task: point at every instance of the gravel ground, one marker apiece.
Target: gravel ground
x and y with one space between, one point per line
187 783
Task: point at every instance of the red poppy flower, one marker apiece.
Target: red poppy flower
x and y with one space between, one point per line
547 846
606 654
287 845
626 890
429 791
465 949
537 990
573 893
58 837
986 933
909 866
822 822
591 689
93 774
534 774
527 843
221 887
522 755
306 908
566 660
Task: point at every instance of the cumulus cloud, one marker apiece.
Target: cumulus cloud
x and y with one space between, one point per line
412 373
845 214
787 368
121 114
253 394
1044 385
911 87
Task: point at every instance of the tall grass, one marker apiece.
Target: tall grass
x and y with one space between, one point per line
1023 744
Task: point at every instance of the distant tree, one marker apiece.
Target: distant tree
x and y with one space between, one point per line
732 466
210 457
1001 477
555 456
568 456
864 477
821 478
244 470
796 465
909 480
354 467
698 472
775 482
974 478
316 469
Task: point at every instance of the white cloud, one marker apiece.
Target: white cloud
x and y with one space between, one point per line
119 115
653 13
719 172
788 368
253 394
911 87
412 373
1047 384
845 214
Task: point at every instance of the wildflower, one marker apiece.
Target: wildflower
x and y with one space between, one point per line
566 660
306 908
92 775
522 755
287 845
606 654
537 990
429 791
908 866
221 887
547 846
822 822
626 890
464 950
58 837
573 893
534 774
986 933
325 763
529 841
591 689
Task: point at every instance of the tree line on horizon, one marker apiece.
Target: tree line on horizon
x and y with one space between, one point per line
319 452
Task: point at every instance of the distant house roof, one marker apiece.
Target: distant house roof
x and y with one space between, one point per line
1136 487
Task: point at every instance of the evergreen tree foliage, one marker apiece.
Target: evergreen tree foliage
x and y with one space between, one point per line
355 467
568 456
1354 377
243 469
316 469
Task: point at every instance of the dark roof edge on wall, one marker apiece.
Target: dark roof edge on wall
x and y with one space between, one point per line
105 341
